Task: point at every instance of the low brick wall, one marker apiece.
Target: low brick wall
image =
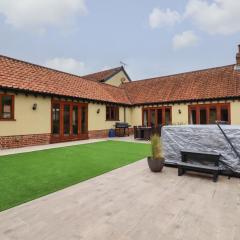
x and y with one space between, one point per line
98 134
103 133
7 142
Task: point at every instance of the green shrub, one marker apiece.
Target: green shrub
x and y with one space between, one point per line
156 147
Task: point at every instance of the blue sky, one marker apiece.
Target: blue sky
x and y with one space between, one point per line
154 37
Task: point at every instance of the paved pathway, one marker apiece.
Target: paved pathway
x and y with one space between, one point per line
131 203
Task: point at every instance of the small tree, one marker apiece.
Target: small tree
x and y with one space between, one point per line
156 147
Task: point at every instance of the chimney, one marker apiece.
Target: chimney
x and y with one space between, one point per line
238 56
237 67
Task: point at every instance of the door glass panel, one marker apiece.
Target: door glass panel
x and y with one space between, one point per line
167 116
224 115
66 119
212 115
153 118
56 119
203 116
145 117
159 118
75 120
193 116
84 120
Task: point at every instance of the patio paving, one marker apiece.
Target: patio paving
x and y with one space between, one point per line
131 203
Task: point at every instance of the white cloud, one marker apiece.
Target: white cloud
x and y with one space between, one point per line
217 17
40 14
160 18
69 65
185 39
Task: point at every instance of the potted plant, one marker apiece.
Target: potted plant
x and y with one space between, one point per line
156 161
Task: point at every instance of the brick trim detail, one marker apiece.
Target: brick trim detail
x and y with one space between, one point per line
7 142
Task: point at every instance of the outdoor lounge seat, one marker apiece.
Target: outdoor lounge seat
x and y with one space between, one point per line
203 162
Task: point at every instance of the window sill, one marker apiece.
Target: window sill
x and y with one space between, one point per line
112 120
7 120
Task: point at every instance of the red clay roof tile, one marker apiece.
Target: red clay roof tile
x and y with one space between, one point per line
214 83
17 74
103 75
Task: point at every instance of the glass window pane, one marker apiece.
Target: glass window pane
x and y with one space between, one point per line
153 118
159 114
107 113
212 115
83 120
112 113
224 115
66 119
56 118
116 113
167 116
203 116
193 116
6 107
75 120
145 117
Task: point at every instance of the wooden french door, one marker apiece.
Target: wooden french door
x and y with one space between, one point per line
209 113
69 121
155 116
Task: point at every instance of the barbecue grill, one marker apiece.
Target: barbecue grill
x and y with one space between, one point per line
120 129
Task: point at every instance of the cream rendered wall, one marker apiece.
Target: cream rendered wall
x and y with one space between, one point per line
137 116
28 121
116 79
178 118
235 113
98 121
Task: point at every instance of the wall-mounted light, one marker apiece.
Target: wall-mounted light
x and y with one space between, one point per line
34 107
179 111
98 111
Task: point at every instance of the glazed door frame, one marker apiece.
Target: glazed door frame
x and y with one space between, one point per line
217 106
61 136
149 110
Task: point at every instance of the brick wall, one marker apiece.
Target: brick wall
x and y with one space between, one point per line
98 133
7 142
103 133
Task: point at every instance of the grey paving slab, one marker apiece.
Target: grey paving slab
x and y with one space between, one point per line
131 203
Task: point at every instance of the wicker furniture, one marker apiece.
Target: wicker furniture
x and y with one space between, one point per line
144 133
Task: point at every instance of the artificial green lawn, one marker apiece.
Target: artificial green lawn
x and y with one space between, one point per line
27 176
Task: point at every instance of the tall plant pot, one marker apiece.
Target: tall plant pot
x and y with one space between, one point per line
155 165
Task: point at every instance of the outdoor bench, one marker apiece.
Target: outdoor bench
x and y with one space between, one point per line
204 162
